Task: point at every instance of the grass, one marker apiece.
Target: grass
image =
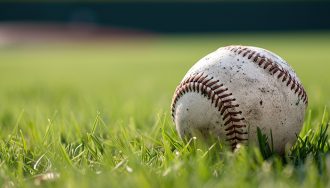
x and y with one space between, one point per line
97 114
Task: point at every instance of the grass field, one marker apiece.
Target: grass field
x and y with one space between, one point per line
97 114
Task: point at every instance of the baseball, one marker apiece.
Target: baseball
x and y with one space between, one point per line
234 90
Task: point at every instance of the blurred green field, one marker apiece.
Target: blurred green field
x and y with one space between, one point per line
97 113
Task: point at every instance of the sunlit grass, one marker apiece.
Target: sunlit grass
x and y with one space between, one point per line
97 115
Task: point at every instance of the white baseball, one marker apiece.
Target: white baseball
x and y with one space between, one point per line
234 90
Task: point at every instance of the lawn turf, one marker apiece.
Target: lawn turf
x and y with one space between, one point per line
97 114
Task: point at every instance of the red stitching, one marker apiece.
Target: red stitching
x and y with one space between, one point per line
273 68
223 101
235 131
234 126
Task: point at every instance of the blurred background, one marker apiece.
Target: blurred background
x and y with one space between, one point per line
71 19
125 58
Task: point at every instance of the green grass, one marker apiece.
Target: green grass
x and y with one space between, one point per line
97 115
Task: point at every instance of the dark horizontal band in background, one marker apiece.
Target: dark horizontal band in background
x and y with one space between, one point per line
180 17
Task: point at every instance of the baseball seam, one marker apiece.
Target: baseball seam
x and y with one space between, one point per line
273 68
219 95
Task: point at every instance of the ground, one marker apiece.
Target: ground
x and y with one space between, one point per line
97 113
